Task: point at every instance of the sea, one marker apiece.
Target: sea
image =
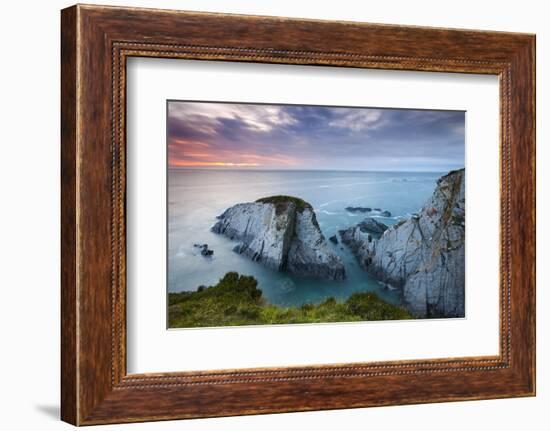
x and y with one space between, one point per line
197 196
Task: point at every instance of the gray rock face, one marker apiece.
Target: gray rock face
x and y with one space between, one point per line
282 233
424 255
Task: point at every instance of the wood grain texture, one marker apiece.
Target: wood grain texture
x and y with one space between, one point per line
69 366
96 41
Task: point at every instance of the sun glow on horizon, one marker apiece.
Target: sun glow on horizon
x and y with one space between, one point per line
184 164
191 153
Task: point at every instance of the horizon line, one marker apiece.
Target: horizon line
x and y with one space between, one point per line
204 168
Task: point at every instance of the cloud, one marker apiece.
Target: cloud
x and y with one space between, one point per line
357 119
313 137
259 118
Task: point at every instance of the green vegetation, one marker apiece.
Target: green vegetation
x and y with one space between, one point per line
281 202
236 300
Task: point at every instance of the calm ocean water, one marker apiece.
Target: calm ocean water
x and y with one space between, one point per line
197 196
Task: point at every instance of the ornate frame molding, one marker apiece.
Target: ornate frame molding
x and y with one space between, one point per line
96 41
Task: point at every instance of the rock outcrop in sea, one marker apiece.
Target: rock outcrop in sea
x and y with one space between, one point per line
423 255
205 251
376 211
372 225
282 233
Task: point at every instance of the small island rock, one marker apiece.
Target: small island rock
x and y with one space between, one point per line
205 251
358 209
282 233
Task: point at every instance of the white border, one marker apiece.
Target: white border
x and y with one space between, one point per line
153 348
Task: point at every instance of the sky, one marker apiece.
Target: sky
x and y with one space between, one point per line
254 136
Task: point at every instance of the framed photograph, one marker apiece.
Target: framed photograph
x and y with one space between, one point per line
266 215
268 220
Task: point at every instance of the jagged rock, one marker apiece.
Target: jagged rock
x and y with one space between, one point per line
282 233
372 225
333 239
385 214
205 251
424 255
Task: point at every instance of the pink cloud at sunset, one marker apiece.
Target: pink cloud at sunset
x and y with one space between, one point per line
259 136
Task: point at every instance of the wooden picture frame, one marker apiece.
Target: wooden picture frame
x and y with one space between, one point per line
96 41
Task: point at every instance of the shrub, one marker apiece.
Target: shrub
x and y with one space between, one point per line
281 201
369 306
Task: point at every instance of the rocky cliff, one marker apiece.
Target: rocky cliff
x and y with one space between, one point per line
424 255
282 233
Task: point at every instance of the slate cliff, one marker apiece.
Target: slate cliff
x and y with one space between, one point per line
424 255
282 233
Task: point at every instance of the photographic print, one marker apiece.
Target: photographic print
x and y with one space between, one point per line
297 214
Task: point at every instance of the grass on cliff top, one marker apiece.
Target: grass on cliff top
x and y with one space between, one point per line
236 300
281 201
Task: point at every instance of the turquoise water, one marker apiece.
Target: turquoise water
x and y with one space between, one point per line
196 197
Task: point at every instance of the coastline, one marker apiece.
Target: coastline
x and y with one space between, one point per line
334 202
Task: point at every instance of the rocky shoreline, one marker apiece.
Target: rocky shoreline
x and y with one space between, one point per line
422 256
